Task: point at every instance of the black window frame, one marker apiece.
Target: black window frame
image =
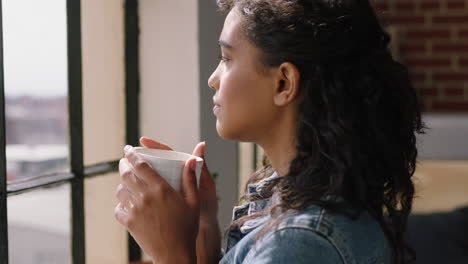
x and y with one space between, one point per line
78 172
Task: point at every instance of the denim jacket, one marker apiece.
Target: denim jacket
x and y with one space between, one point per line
312 235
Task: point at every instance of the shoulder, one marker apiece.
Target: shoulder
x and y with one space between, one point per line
291 244
357 239
314 234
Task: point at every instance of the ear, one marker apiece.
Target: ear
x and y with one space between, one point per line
287 84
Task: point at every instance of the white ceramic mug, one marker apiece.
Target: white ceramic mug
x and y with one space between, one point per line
169 164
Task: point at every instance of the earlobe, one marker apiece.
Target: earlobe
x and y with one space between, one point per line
280 100
281 97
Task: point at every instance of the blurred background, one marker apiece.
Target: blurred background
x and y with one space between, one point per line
160 53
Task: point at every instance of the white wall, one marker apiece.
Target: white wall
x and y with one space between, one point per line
103 80
103 125
169 98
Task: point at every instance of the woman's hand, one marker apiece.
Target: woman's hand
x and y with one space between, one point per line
163 221
209 234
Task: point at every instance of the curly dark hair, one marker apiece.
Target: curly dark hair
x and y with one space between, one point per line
358 111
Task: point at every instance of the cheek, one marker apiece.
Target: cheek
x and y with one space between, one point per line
244 108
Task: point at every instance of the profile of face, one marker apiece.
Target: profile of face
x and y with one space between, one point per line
248 93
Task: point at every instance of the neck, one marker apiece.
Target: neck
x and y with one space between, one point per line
280 143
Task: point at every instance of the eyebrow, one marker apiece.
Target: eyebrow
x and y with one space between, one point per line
224 44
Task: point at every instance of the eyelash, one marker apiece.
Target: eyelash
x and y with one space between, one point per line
222 58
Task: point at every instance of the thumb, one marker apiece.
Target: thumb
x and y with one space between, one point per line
207 192
207 189
207 184
189 184
199 150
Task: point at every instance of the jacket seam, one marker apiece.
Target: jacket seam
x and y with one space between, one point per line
319 223
343 259
306 229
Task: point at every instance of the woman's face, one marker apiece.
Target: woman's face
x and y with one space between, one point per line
244 87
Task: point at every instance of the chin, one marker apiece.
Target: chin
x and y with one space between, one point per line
221 131
224 132
234 135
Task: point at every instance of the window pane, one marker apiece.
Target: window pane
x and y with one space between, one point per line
35 61
39 226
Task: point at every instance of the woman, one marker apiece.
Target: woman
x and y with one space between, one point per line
314 84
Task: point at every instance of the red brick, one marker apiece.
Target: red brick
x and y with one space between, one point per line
449 106
381 6
454 91
463 34
412 48
463 62
429 62
428 34
456 4
404 20
450 47
417 76
429 5
423 104
450 76
428 92
450 19
405 5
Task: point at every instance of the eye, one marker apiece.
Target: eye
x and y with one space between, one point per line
222 58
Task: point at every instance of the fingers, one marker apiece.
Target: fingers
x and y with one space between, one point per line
125 197
207 194
122 215
206 181
143 169
189 184
129 178
199 150
205 178
151 143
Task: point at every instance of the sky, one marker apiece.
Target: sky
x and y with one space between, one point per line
35 47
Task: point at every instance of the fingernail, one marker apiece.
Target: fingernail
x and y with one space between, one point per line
204 148
193 164
127 148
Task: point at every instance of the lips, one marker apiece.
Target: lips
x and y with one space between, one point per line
216 108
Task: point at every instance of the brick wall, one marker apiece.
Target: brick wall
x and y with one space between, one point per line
431 38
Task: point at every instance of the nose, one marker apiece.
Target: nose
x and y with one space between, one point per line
213 81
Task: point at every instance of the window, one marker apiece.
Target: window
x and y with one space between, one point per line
35 71
60 139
